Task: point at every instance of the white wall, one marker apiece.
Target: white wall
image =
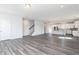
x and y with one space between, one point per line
10 26
39 28
48 29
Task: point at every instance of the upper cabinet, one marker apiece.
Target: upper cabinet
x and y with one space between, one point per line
77 24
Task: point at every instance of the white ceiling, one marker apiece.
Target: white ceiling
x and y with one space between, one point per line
42 11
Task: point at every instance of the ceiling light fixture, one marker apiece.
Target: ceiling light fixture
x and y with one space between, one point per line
28 5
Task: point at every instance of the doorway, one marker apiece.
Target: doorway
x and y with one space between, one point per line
28 27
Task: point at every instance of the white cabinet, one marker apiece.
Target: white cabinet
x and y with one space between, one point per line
76 33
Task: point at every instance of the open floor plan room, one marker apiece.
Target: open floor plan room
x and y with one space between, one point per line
39 29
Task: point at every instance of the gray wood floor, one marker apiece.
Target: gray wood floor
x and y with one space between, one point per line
40 45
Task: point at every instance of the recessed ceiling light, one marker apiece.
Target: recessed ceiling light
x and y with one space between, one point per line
28 5
61 6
